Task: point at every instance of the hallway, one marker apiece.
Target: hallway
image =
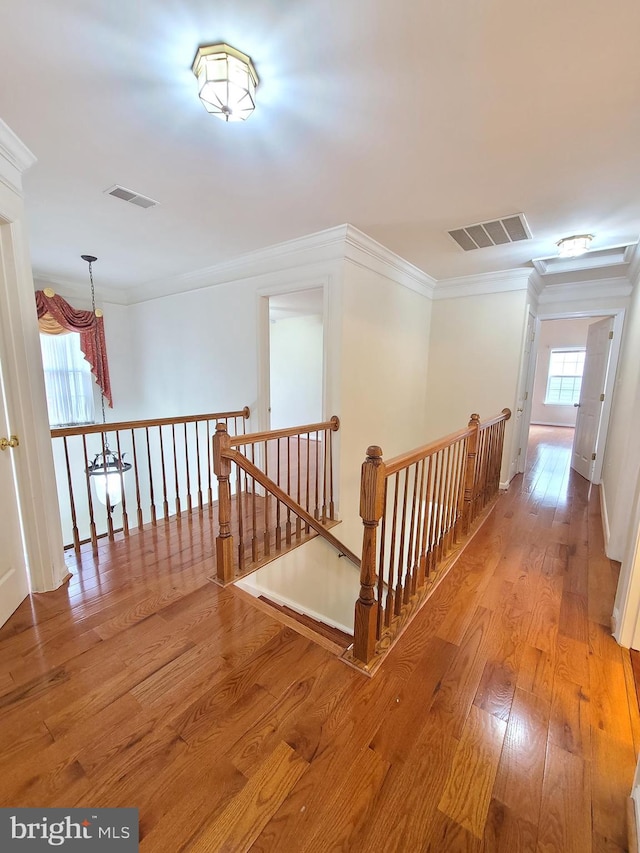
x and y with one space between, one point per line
505 719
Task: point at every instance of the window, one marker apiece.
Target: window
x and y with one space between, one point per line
68 380
565 376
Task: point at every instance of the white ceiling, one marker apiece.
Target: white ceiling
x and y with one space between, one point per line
403 118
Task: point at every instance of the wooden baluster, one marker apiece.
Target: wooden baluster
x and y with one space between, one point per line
372 492
175 473
433 515
186 463
459 506
278 529
420 521
125 517
308 472
441 498
409 583
165 501
72 503
331 505
209 466
151 495
399 596
137 479
389 606
325 451
288 524
239 503
266 539
381 615
316 511
92 521
426 528
448 500
254 525
198 465
298 521
224 540
470 472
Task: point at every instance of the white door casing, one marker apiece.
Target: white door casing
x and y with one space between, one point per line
592 396
14 584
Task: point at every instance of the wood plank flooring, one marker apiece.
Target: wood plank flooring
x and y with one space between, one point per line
505 719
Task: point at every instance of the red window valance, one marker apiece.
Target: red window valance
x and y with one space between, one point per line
90 327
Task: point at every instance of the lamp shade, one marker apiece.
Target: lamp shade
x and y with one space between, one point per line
227 81
107 471
572 247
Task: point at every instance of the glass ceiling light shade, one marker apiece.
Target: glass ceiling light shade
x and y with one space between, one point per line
573 247
227 81
108 468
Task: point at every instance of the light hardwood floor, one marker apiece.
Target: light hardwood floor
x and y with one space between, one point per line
504 720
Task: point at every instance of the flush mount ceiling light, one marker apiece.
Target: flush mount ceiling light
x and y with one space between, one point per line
227 81
572 247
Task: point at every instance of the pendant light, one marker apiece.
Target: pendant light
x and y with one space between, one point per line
108 468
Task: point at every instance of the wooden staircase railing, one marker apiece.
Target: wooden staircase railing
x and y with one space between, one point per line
273 494
171 472
415 510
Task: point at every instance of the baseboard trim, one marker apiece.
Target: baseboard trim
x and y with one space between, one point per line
633 821
604 514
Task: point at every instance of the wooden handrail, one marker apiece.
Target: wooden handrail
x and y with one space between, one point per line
398 463
169 460
61 432
268 484
504 415
414 509
270 435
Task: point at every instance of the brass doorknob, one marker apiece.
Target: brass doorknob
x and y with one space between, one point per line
9 442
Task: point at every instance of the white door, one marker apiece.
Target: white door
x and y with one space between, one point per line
596 363
14 584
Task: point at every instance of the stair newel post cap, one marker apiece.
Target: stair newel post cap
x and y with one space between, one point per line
474 420
221 442
372 485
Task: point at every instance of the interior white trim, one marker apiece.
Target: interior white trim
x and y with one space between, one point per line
581 290
17 158
480 285
606 530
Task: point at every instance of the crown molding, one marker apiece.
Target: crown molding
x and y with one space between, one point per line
363 250
634 265
480 285
73 290
310 253
15 158
618 286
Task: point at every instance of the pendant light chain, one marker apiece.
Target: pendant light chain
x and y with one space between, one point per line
90 259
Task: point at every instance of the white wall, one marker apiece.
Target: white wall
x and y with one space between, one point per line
383 392
474 361
296 351
554 334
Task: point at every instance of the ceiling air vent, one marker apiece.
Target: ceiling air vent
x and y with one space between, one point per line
131 197
496 232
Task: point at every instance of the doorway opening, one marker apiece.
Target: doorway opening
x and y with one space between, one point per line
296 358
570 383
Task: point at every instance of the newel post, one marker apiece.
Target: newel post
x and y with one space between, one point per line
470 471
222 470
371 509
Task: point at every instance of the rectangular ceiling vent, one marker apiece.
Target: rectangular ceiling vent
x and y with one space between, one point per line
496 232
131 197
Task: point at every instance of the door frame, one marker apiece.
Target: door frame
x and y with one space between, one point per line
34 472
264 354
618 315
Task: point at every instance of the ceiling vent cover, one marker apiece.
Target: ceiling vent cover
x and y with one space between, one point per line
495 232
131 196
